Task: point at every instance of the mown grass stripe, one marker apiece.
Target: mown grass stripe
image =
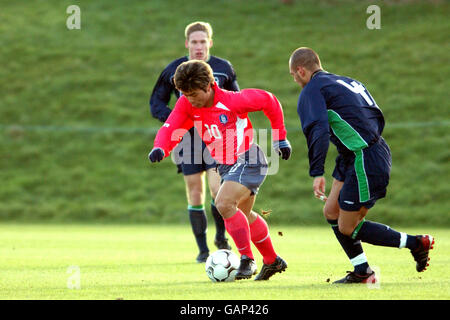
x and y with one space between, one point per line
56 128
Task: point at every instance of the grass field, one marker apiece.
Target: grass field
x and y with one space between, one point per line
75 132
157 262
75 126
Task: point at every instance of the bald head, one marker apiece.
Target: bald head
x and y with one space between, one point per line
306 58
302 64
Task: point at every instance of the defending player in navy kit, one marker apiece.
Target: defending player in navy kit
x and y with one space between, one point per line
193 161
224 76
341 110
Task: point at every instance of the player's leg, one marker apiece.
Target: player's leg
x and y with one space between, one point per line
241 181
236 224
260 236
352 247
252 175
188 159
195 192
372 168
354 225
246 206
362 273
214 184
331 209
259 230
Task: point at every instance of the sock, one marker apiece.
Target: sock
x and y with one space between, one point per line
237 227
260 236
352 248
220 225
381 235
197 216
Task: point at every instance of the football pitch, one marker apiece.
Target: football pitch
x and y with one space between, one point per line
157 262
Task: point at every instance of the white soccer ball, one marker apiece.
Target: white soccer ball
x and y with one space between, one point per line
222 265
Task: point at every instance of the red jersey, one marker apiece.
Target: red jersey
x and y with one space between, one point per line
224 127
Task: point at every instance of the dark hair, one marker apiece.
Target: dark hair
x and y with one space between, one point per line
192 75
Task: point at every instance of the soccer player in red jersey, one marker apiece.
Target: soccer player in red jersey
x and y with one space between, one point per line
221 119
195 166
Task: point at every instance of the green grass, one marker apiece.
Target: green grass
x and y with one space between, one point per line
100 77
157 262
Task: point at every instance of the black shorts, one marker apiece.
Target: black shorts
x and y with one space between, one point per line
365 174
191 155
250 169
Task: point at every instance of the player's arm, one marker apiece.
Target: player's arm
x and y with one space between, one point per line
234 86
231 84
313 115
169 135
314 119
160 96
252 100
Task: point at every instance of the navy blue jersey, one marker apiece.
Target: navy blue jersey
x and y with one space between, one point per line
337 109
223 73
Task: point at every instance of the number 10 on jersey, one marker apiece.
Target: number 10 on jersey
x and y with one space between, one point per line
213 131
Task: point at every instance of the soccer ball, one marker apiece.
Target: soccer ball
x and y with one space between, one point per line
222 265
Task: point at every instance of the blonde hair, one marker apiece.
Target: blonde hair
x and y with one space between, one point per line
198 26
305 57
192 75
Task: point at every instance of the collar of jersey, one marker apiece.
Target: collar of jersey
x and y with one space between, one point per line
315 73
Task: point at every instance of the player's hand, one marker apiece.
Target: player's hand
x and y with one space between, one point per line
284 149
319 188
156 155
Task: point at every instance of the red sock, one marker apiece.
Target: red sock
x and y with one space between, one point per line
237 227
261 239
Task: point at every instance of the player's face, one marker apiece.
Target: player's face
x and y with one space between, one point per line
299 76
200 98
198 45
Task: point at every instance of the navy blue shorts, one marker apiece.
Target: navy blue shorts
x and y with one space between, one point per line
365 174
250 169
191 155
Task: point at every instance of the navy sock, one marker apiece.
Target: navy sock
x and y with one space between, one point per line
199 223
220 224
352 248
381 235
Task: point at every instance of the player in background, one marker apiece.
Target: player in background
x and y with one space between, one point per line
221 119
195 165
341 110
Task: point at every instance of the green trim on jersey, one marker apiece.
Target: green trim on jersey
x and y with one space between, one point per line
363 183
351 139
345 132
